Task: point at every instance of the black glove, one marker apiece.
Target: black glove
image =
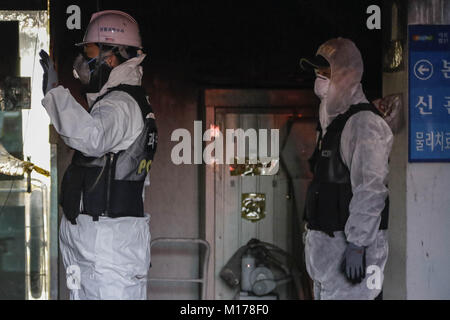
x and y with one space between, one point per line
50 80
354 264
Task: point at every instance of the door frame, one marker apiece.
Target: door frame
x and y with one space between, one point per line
302 102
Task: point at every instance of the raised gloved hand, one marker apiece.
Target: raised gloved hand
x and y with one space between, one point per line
50 80
354 264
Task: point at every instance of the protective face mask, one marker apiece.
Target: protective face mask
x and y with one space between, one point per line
83 67
321 86
92 75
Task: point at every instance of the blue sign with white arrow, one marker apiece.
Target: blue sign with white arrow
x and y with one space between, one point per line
429 93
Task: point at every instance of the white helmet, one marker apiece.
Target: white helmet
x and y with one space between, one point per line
112 27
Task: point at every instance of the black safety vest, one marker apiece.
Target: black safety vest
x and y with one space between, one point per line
112 185
330 192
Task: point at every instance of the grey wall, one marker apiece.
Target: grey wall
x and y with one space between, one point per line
428 236
172 197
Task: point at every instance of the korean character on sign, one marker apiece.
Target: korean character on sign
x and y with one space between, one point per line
429 140
439 141
446 69
419 141
447 141
447 105
425 106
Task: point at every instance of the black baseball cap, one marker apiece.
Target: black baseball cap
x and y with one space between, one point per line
314 63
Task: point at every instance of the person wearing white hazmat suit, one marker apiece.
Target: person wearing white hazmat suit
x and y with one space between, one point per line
104 233
346 245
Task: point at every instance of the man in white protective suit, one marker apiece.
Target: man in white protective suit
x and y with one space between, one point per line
346 245
104 233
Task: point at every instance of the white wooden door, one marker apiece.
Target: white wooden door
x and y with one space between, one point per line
233 231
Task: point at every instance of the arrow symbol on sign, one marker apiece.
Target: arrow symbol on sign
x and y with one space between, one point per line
422 69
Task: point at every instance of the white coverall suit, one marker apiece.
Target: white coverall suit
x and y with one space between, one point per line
366 143
112 254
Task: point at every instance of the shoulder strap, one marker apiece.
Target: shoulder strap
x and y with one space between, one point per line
136 92
340 121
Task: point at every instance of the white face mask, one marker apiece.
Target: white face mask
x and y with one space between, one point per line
321 86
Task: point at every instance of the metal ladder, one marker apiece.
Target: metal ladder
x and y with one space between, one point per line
203 278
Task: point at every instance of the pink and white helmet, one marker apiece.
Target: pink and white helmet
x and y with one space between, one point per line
112 27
